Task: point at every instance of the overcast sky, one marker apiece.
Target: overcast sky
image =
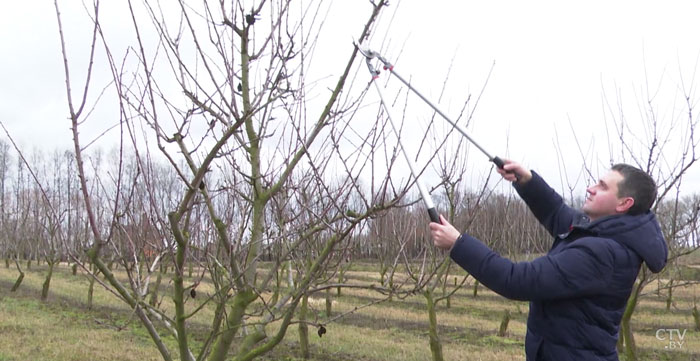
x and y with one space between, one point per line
555 64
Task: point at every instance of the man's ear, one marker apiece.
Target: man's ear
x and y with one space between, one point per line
624 205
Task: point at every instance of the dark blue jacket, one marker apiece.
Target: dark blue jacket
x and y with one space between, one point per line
579 290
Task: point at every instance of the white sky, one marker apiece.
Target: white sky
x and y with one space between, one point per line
553 62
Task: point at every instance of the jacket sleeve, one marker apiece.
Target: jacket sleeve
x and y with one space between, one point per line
546 204
581 269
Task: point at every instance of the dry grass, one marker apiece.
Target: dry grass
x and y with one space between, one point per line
64 329
61 329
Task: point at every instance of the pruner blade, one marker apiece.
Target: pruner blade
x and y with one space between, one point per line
366 51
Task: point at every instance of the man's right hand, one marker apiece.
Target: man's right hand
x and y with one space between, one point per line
514 172
444 234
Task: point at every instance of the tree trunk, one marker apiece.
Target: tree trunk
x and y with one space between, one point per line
696 315
304 328
669 296
448 302
476 287
435 345
503 329
216 324
91 287
278 287
153 299
630 346
142 264
19 280
47 281
391 287
74 269
341 279
290 275
620 342
329 303
234 320
179 291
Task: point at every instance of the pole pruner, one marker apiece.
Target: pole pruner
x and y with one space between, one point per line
369 55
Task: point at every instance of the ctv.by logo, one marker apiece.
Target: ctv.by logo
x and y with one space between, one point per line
674 337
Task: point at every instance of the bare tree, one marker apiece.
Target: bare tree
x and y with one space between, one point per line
5 241
254 167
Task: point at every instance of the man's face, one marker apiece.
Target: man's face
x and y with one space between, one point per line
602 199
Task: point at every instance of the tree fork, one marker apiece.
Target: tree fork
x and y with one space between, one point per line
19 278
233 323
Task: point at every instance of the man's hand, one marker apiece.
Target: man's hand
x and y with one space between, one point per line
444 234
514 172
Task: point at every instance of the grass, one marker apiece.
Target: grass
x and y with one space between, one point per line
62 328
33 330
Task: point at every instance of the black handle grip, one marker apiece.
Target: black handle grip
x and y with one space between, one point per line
498 162
434 216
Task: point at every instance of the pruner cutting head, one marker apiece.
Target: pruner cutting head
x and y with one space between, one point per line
366 51
369 55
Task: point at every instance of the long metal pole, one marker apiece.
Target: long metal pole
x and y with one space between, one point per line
432 212
390 67
434 217
495 159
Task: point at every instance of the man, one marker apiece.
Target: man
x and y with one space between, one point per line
579 290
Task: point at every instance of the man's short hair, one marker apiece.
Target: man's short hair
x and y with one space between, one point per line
636 184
